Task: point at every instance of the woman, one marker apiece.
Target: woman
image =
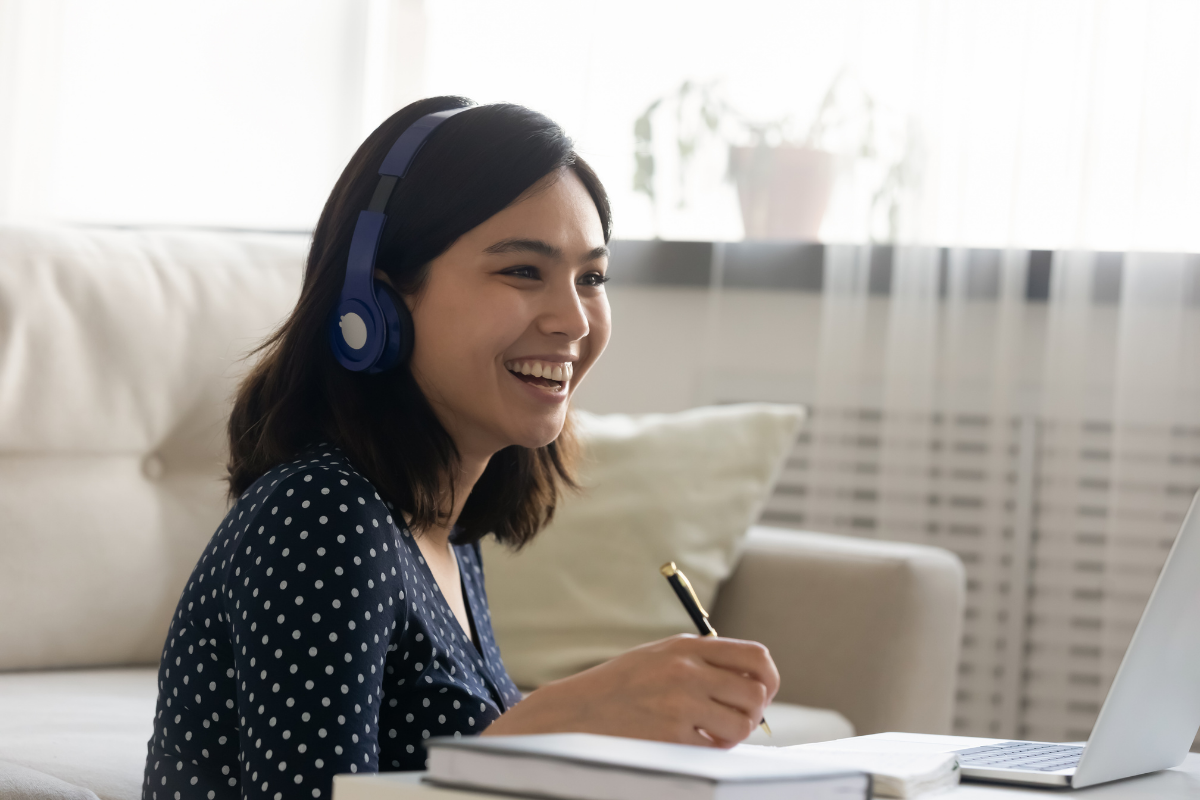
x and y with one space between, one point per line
337 618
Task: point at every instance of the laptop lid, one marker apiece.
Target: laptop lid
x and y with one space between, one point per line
1152 711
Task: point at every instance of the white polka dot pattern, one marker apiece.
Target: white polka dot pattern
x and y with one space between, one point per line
312 639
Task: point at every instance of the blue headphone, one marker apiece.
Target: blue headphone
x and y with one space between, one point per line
371 328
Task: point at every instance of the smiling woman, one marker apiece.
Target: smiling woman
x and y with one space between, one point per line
338 619
501 161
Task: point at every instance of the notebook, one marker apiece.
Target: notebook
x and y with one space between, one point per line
894 773
583 766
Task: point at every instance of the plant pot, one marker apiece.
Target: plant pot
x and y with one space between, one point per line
783 190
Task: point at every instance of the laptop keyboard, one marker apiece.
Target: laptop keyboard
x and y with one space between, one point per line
1035 756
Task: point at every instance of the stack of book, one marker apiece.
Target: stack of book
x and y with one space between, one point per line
580 766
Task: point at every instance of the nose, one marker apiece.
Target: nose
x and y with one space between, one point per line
563 313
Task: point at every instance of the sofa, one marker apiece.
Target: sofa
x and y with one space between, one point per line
119 351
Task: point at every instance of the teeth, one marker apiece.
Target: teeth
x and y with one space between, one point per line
543 369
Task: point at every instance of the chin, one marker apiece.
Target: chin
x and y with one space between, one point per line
540 433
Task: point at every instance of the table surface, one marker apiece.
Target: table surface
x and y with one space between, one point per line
1172 784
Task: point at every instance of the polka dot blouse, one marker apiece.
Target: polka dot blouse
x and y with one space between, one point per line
311 640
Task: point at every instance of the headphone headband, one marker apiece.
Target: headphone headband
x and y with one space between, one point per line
368 333
401 156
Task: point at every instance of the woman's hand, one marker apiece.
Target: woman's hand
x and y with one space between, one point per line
687 689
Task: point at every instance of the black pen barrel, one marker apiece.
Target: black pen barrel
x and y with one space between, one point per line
685 597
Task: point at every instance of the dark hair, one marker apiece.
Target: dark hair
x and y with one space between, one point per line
475 165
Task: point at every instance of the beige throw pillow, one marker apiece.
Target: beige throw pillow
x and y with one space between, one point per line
678 487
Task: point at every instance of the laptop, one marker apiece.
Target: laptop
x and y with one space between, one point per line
1148 720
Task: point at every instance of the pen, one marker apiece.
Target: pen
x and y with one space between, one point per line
691 604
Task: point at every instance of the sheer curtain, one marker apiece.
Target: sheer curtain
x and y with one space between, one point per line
1030 123
1017 123
1035 410
1054 444
221 114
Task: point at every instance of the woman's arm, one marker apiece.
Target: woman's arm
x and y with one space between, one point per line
313 606
687 689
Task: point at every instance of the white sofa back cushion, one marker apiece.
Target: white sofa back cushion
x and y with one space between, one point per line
678 487
119 352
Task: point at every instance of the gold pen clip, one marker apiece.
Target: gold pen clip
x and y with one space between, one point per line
670 570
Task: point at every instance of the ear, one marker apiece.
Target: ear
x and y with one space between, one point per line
399 343
383 278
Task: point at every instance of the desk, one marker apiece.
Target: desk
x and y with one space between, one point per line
1172 784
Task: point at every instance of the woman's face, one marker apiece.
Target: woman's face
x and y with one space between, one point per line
518 297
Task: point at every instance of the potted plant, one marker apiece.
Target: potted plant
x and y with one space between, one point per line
784 177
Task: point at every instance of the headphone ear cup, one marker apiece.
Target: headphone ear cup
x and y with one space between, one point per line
398 323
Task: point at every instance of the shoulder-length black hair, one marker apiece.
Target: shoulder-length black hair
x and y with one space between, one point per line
475 165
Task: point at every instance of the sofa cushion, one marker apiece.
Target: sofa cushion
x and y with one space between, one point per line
22 783
86 727
680 487
65 734
792 724
118 355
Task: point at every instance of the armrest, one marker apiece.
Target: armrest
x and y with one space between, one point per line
867 628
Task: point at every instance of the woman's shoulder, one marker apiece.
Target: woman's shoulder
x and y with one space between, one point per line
318 491
311 463
319 471
315 521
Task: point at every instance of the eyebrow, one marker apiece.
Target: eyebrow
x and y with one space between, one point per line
541 248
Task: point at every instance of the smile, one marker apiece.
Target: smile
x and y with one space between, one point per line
548 376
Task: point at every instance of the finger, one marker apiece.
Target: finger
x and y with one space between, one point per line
739 692
722 743
724 723
736 655
699 737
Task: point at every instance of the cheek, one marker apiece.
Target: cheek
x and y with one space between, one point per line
602 323
459 336
599 329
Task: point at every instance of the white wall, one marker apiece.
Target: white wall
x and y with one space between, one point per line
674 348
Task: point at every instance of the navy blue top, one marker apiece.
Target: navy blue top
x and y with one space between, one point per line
312 639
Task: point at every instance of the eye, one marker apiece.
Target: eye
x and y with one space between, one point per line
523 272
593 279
